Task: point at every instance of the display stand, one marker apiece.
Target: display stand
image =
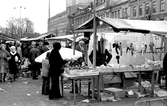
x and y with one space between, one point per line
75 79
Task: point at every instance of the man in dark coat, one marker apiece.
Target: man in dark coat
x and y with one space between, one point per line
34 53
165 68
56 62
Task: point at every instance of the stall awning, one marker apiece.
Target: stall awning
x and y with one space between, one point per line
61 37
43 36
152 26
6 37
141 26
69 37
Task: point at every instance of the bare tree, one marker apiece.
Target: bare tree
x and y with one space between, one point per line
19 27
2 29
28 26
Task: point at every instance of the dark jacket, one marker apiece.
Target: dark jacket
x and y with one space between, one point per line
101 59
165 63
56 63
34 53
13 69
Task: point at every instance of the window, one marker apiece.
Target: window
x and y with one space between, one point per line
107 14
126 13
123 13
140 10
162 5
103 15
118 13
154 7
112 15
147 8
99 2
134 11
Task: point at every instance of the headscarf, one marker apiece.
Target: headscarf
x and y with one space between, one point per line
13 48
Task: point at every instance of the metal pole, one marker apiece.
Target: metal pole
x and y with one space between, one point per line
20 23
162 42
49 17
94 36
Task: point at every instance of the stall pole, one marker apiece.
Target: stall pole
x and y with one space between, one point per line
152 53
162 41
94 36
74 44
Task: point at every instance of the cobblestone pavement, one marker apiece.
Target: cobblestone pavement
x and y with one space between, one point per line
27 92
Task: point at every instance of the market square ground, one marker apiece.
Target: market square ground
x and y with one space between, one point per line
27 92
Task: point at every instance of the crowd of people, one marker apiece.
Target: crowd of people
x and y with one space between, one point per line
13 54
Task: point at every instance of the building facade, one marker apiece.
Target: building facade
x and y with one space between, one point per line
76 15
70 3
58 24
104 8
124 9
148 9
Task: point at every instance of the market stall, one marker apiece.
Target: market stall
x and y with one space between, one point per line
124 26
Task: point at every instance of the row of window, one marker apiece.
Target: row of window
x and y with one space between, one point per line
80 20
59 18
56 31
116 14
122 13
150 8
62 23
99 2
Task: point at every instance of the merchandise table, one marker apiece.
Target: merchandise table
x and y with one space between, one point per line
111 71
75 79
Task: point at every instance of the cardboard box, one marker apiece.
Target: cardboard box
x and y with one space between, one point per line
117 92
105 96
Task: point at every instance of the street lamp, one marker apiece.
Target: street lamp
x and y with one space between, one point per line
20 8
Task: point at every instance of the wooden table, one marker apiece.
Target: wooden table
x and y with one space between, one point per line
75 79
106 72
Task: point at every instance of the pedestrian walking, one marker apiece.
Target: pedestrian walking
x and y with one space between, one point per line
44 73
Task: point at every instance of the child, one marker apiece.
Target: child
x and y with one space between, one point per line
45 77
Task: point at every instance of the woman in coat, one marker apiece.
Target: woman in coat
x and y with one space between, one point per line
56 62
4 57
15 58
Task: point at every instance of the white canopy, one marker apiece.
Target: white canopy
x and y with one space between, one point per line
70 37
43 36
153 26
140 26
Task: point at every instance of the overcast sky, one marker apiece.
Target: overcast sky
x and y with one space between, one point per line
36 11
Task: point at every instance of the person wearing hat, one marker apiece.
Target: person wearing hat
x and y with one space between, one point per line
15 58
